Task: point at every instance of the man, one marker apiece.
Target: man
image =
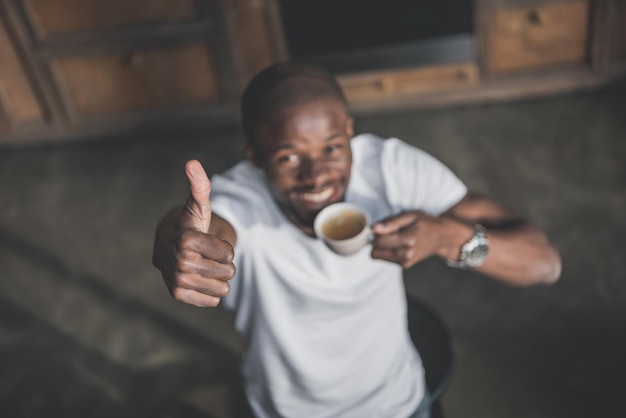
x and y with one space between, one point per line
327 335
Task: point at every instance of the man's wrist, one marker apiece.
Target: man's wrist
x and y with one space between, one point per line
455 234
474 252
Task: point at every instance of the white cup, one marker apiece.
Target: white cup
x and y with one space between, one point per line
344 227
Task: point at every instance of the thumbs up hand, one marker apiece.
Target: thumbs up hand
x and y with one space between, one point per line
198 206
194 248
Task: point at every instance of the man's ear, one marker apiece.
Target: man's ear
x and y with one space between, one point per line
251 153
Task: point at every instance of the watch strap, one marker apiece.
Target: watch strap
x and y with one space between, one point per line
474 252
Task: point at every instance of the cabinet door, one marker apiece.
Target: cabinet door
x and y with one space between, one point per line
137 81
255 35
19 105
368 90
540 34
52 17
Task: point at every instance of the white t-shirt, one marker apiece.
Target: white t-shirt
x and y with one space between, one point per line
327 335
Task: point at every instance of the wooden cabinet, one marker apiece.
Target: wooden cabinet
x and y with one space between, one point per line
534 34
53 17
121 62
76 68
396 84
104 67
521 48
20 107
138 80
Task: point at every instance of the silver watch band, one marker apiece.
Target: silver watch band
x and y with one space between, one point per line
474 252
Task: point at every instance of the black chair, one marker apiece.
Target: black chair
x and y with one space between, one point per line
432 339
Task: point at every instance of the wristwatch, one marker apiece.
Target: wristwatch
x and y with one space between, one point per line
474 251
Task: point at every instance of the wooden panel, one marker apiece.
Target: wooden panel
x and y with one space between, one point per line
143 79
255 33
17 98
496 89
384 85
537 36
58 16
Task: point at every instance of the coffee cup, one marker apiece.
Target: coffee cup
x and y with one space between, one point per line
344 227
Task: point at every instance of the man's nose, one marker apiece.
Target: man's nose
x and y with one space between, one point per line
313 172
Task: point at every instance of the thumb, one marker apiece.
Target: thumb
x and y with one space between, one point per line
393 224
198 206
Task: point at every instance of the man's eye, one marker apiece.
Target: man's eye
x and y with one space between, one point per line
332 148
288 159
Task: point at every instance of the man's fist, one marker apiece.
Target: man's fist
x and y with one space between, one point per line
193 249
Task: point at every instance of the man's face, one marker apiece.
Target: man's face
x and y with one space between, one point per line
305 152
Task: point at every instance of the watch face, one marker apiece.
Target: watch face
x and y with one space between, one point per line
473 252
477 255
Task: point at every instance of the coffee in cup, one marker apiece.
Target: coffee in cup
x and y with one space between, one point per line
344 227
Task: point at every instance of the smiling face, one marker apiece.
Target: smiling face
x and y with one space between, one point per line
305 153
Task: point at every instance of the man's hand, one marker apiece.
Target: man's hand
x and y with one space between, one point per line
193 248
411 237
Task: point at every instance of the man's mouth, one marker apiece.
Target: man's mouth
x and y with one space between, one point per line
318 196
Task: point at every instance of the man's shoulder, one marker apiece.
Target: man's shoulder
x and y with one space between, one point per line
367 140
241 195
372 142
243 181
243 173
370 148
366 148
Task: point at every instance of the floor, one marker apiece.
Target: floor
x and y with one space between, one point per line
87 328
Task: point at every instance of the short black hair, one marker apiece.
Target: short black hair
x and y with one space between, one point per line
283 85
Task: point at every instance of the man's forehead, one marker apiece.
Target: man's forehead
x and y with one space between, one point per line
330 106
329 109
282 129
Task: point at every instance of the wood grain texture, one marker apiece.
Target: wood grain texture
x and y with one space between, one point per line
141 80
536 35
61 16
17 97
491 90
255 35
379 85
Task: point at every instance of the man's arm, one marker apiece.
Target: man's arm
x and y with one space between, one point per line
519 251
